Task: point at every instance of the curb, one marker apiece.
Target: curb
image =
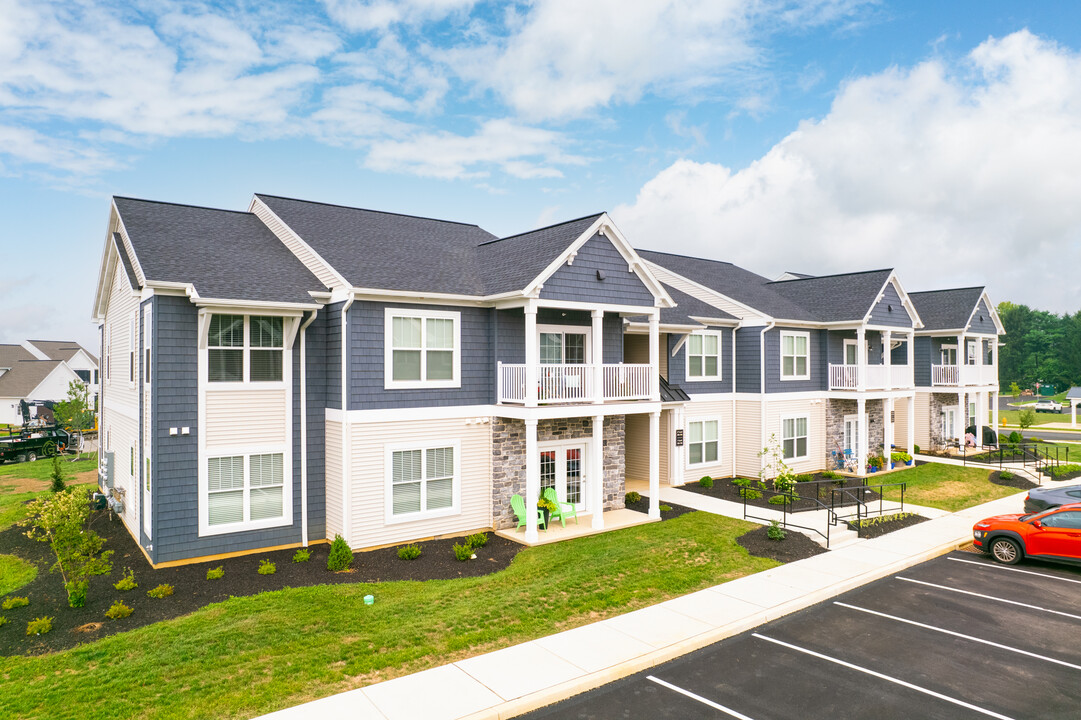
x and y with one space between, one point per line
556 693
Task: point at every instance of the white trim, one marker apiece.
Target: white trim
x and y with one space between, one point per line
563 330
780 355
687 357
246 451
690 420
388 348
795 438
389 518
257 207
850 342
708 295
906 301
584 469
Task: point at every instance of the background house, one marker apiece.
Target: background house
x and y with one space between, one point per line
27 375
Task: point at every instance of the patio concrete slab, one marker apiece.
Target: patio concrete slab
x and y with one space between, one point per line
712 607
518 670
594 647
658 626
556 532
442 693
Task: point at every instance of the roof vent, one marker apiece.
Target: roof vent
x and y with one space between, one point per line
601 275
889 308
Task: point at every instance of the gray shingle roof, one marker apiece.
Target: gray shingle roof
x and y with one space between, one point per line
511 263
1074 392
946 309
686 307
61 349
225 254
835 298
26 372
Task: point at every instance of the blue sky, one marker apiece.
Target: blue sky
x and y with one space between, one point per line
943 139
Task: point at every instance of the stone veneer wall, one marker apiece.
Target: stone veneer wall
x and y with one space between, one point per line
938 402
508 459
835 424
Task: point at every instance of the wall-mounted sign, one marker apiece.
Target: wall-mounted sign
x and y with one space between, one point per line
679 437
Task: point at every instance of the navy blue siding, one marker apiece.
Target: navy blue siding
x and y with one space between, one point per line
923 360
366 361
883 315
835 345
748 360
316 381
509 338
333 354
677 367
987 325
817 362
612 342
875 346
579 281
899 354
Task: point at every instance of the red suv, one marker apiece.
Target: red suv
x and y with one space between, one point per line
1050 535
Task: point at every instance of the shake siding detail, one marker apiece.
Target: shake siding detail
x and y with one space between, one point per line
776 411
817 363
298 247
332 331
368 478
718 409
579 280
121 407
509 337
748 370
922 356
316 356
882 315
748 437
333 478
677 369
236 418
987 325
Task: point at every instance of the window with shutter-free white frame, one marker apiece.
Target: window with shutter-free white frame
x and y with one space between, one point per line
703 442
795 356
243 489
423 481
704 356
794 437
422 348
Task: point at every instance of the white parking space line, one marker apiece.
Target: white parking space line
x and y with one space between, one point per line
699 698
994 566
991 597
887 678
957 634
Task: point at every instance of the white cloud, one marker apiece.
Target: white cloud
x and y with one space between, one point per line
955 175
362 15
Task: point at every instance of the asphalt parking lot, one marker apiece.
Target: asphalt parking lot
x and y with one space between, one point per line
955 637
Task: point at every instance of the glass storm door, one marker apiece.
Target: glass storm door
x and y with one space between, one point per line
949 424
852 435
850 353
563 468
949 356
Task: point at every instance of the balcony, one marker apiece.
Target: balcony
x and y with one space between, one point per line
877 377
959 375
575 383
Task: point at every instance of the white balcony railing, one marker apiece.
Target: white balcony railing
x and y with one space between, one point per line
945 375
574 383
957 375
847 377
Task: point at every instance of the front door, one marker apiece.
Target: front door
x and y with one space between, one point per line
562 467
949 355
851 352
949 424
852 435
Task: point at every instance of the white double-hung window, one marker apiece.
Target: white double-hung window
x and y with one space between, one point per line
422 481
794 437
704 356
423 349
703 442
245 348
795 356
245 492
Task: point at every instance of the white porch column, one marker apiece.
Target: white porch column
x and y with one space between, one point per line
887 430
861 421
532 357
962 411
861 361
962 360
655 464
911 342
981 415
887 358
598 356
994 413
532 479
912 424
596 473
654 355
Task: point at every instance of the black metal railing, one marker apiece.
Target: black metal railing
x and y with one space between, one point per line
785 509
1039 457
862 499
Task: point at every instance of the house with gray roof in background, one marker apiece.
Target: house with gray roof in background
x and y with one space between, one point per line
41 370
278 376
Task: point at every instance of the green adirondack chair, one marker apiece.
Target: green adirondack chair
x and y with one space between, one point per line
518 505
562 509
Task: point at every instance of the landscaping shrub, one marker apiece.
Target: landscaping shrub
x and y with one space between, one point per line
118 610
302 555
706 482
3 621
409 552
477 540
127 582
880 519
831 475
779 500
14 602
215 573
57 475
340 556
775 531
77 592
1006 475
1060 470
39 626
1016 438
631 498
267 568
1026 419
916 449
805 477
161 591
746 490
666 508
463 552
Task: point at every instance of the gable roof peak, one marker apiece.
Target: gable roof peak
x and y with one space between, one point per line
592 217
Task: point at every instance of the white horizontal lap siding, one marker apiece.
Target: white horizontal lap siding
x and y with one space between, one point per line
923 420
637 446
333 478
748 437
900 423
663 451
816 431
368 477
244 417
303 253
125 436
709 410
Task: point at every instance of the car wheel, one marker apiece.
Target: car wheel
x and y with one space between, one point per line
1005 551
31 456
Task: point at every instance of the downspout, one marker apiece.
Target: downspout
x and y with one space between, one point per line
347 497
762 389
304 434
732 450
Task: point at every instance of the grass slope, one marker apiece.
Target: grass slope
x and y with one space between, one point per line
14 573
249 656
22 482
948 487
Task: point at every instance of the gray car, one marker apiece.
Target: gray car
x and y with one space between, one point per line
1040 500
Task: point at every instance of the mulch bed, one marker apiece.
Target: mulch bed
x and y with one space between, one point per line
1015 482
724 489
884 528
795 546
642 506
74 626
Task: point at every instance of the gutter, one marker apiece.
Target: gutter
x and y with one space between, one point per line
304 434
347 496
762 387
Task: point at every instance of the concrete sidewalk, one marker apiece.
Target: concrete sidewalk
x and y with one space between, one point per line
517 679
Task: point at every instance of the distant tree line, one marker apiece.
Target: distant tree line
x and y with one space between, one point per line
1039 346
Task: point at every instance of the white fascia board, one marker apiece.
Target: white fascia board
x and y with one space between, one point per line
991 309
295 237
106 270
720 322
906 301
135 264
640 328
284 309
33 350
709 295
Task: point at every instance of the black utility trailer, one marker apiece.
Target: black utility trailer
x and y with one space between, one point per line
29 444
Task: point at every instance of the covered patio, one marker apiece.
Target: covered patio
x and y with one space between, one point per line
556 532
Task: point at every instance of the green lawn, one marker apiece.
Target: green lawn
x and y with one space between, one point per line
15 491
14 573
1013 417
948 487
252 655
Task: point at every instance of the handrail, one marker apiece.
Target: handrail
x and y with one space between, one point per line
791 498
862 509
